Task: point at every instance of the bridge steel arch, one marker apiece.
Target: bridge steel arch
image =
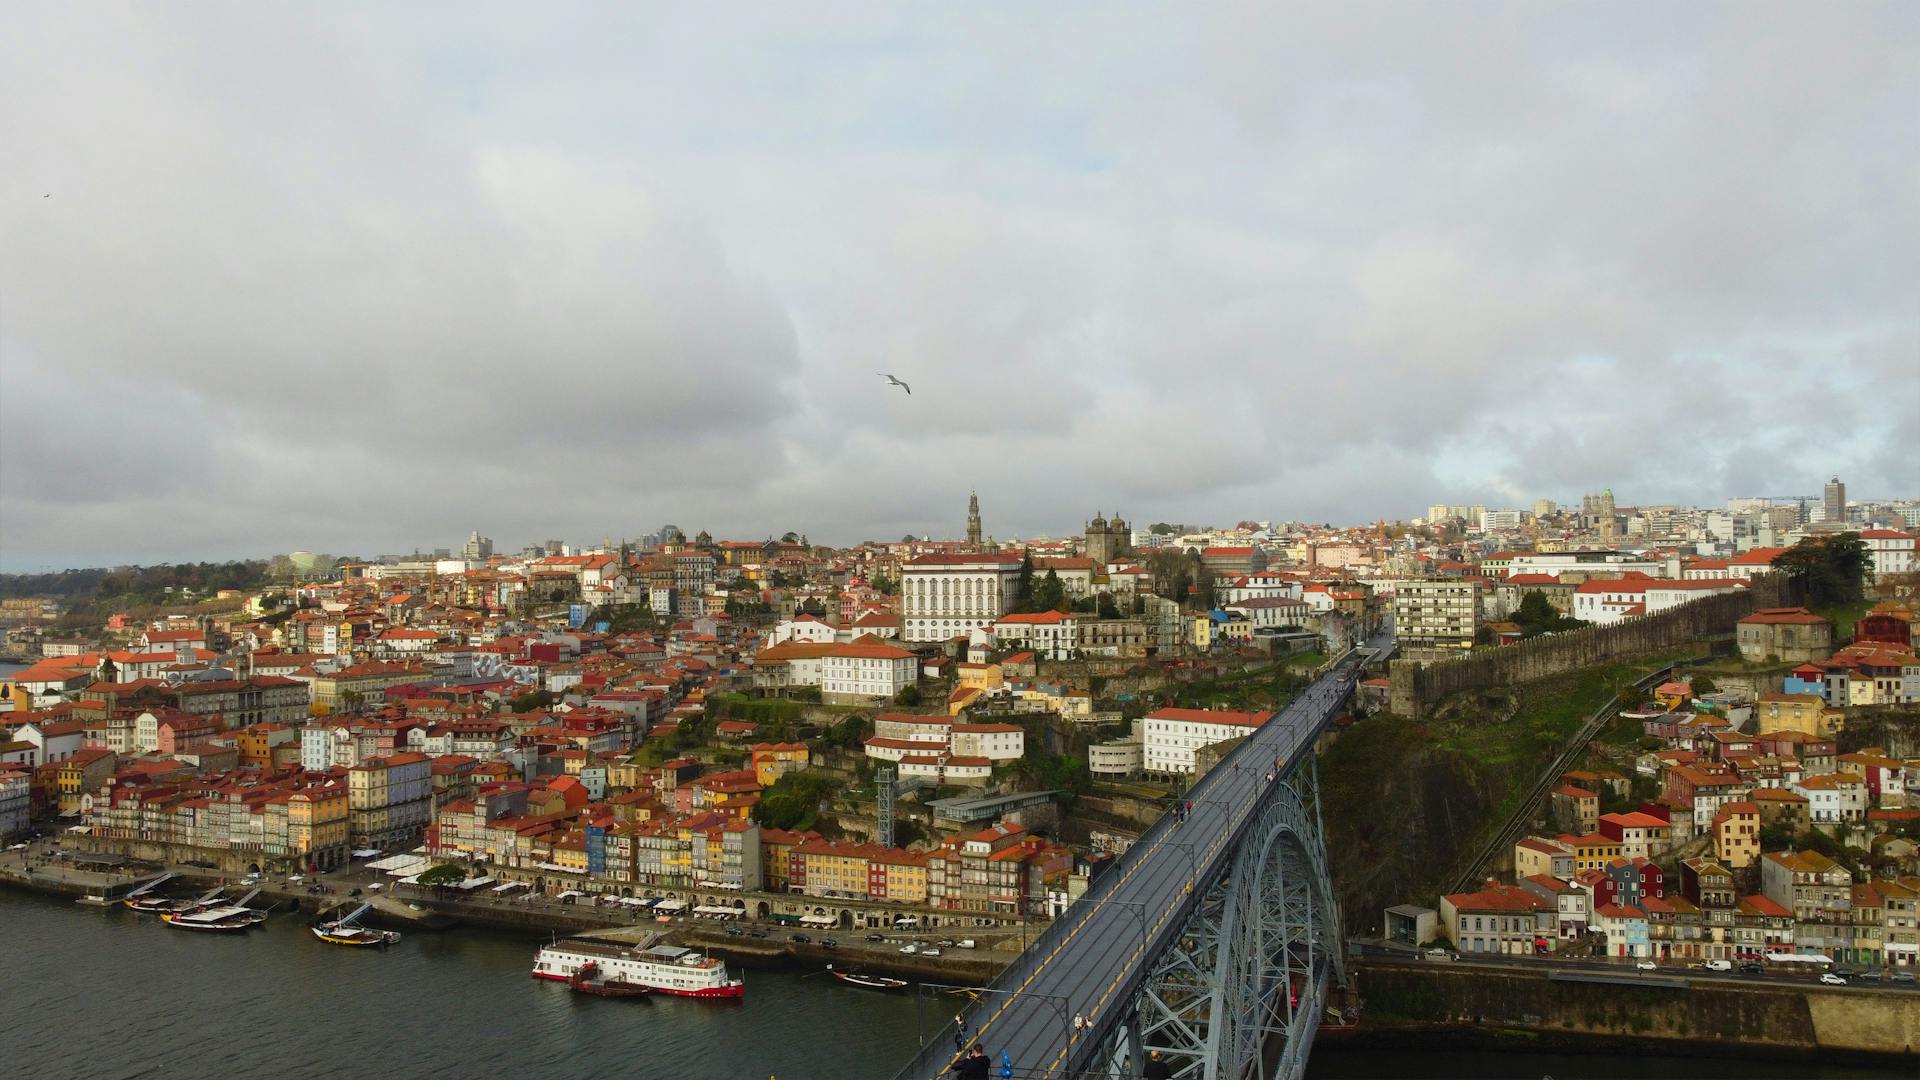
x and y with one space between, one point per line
1238 993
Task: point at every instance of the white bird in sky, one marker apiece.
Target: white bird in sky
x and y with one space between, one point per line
896 382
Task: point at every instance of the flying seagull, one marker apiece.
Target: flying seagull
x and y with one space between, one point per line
896 382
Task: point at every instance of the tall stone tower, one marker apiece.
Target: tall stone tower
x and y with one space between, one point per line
1108 540
1607 519
973 519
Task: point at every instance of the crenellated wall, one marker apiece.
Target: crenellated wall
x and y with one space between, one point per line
1417 687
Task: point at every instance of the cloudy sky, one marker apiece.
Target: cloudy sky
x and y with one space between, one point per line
349 279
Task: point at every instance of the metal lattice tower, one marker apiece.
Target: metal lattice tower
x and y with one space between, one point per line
883 784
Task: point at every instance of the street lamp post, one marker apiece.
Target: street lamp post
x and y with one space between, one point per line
1058 1003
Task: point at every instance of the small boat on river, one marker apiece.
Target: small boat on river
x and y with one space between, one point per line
217 920
867 982
348 931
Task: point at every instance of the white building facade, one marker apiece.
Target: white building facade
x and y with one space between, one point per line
947 595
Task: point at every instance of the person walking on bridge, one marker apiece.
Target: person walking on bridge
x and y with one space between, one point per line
974 1066
1157 1068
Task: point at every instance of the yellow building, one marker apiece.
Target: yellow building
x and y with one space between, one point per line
832 869
904 876
1805 713
771 761
317 826
1202 632
982 677
1592 851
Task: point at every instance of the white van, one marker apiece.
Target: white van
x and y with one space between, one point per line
1719 965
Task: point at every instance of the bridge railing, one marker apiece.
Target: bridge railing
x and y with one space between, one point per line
937 1052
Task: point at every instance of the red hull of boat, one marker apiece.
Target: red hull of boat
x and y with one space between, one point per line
731 991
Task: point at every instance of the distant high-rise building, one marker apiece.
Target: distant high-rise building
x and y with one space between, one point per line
973 519
477 547
1834 501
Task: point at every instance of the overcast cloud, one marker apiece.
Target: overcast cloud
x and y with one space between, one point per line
360 279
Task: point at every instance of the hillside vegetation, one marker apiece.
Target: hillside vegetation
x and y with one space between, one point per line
1405 802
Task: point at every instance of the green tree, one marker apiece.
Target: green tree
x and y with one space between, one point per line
1051 595
885 585
908 695
793 802
1025 585
529 701
1537 616
1106 608
444 875
1828 569
1172 574
1201 595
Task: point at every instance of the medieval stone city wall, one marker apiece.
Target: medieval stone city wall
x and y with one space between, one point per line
1417 687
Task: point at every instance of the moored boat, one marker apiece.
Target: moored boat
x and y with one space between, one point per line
662 969
347 930
218 920
868 982
357 936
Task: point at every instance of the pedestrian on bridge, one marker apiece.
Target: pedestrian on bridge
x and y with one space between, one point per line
1157 1068
974 1066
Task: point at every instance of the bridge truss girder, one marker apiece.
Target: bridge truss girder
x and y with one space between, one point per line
1252 965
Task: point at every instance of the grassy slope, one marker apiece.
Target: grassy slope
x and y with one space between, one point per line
1404 802
1843 616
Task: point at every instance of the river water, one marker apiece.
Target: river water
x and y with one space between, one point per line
110 994
92 993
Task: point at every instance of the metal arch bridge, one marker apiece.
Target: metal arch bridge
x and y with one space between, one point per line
1212 941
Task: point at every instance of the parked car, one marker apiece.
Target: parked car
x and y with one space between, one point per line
1901 977
1438 954
1752 969
946 943
829 943
909 948
1719 965
734 931
1830 979
876 937
929 951
964 943
1646 965
756 932
1870 975
802 939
